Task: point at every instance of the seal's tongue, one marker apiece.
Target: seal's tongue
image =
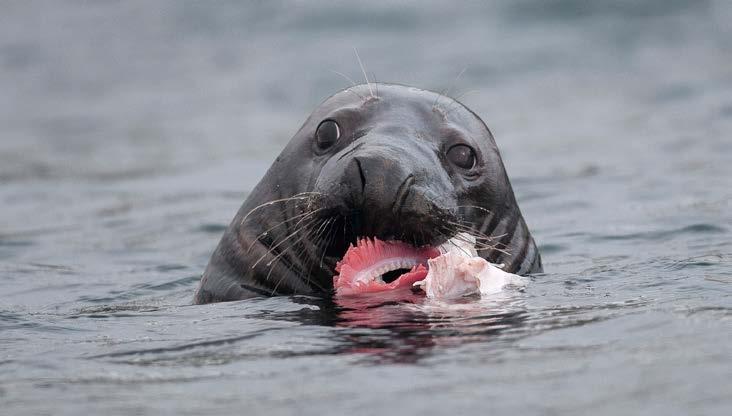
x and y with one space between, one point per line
373 265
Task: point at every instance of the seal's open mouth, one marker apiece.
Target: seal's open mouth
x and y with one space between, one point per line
373 265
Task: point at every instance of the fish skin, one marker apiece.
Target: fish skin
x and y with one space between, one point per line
459 272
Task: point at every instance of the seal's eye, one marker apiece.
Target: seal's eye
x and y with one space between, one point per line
461 156
327 134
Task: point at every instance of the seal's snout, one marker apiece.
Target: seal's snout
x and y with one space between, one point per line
387 191
379 181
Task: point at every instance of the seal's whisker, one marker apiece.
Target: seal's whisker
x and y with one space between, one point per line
486 210
299 217
465 94
297 197
460 248
349 79
282 252
270 264
473 230
439 95
452 84
319 231
485 247
274 290
305 214
330 240
301 225
457 78
494 248
479 245
316 238
376 84
345 224
445 92
320 245
469 228
456 101
363 69
282 241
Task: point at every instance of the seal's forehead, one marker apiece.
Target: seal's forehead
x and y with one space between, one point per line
382 99
382 92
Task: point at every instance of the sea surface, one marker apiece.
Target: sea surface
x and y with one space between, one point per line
130 133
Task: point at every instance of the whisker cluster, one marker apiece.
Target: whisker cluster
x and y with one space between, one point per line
292 236
453 228
300 242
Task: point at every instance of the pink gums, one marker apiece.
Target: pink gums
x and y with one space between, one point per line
362 266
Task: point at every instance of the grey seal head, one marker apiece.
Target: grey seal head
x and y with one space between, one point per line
404 163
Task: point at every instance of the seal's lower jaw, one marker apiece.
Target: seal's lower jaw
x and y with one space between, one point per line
374 265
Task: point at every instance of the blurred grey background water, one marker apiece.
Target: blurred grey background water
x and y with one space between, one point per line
130 132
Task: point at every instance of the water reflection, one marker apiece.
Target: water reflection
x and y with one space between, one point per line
405 327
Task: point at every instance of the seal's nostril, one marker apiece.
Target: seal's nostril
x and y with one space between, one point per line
363 177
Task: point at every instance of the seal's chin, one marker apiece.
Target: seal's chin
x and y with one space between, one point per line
374 265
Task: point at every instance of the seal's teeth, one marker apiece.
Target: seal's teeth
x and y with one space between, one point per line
378 276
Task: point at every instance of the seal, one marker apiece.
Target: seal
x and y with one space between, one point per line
383 161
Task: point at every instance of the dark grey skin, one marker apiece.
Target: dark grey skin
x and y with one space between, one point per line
385 160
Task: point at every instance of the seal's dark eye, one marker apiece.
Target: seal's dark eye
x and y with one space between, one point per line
327 134
461 156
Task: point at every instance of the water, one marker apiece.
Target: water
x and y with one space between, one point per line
132 131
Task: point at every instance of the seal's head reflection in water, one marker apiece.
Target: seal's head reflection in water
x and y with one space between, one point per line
404 327
407 333
385 161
